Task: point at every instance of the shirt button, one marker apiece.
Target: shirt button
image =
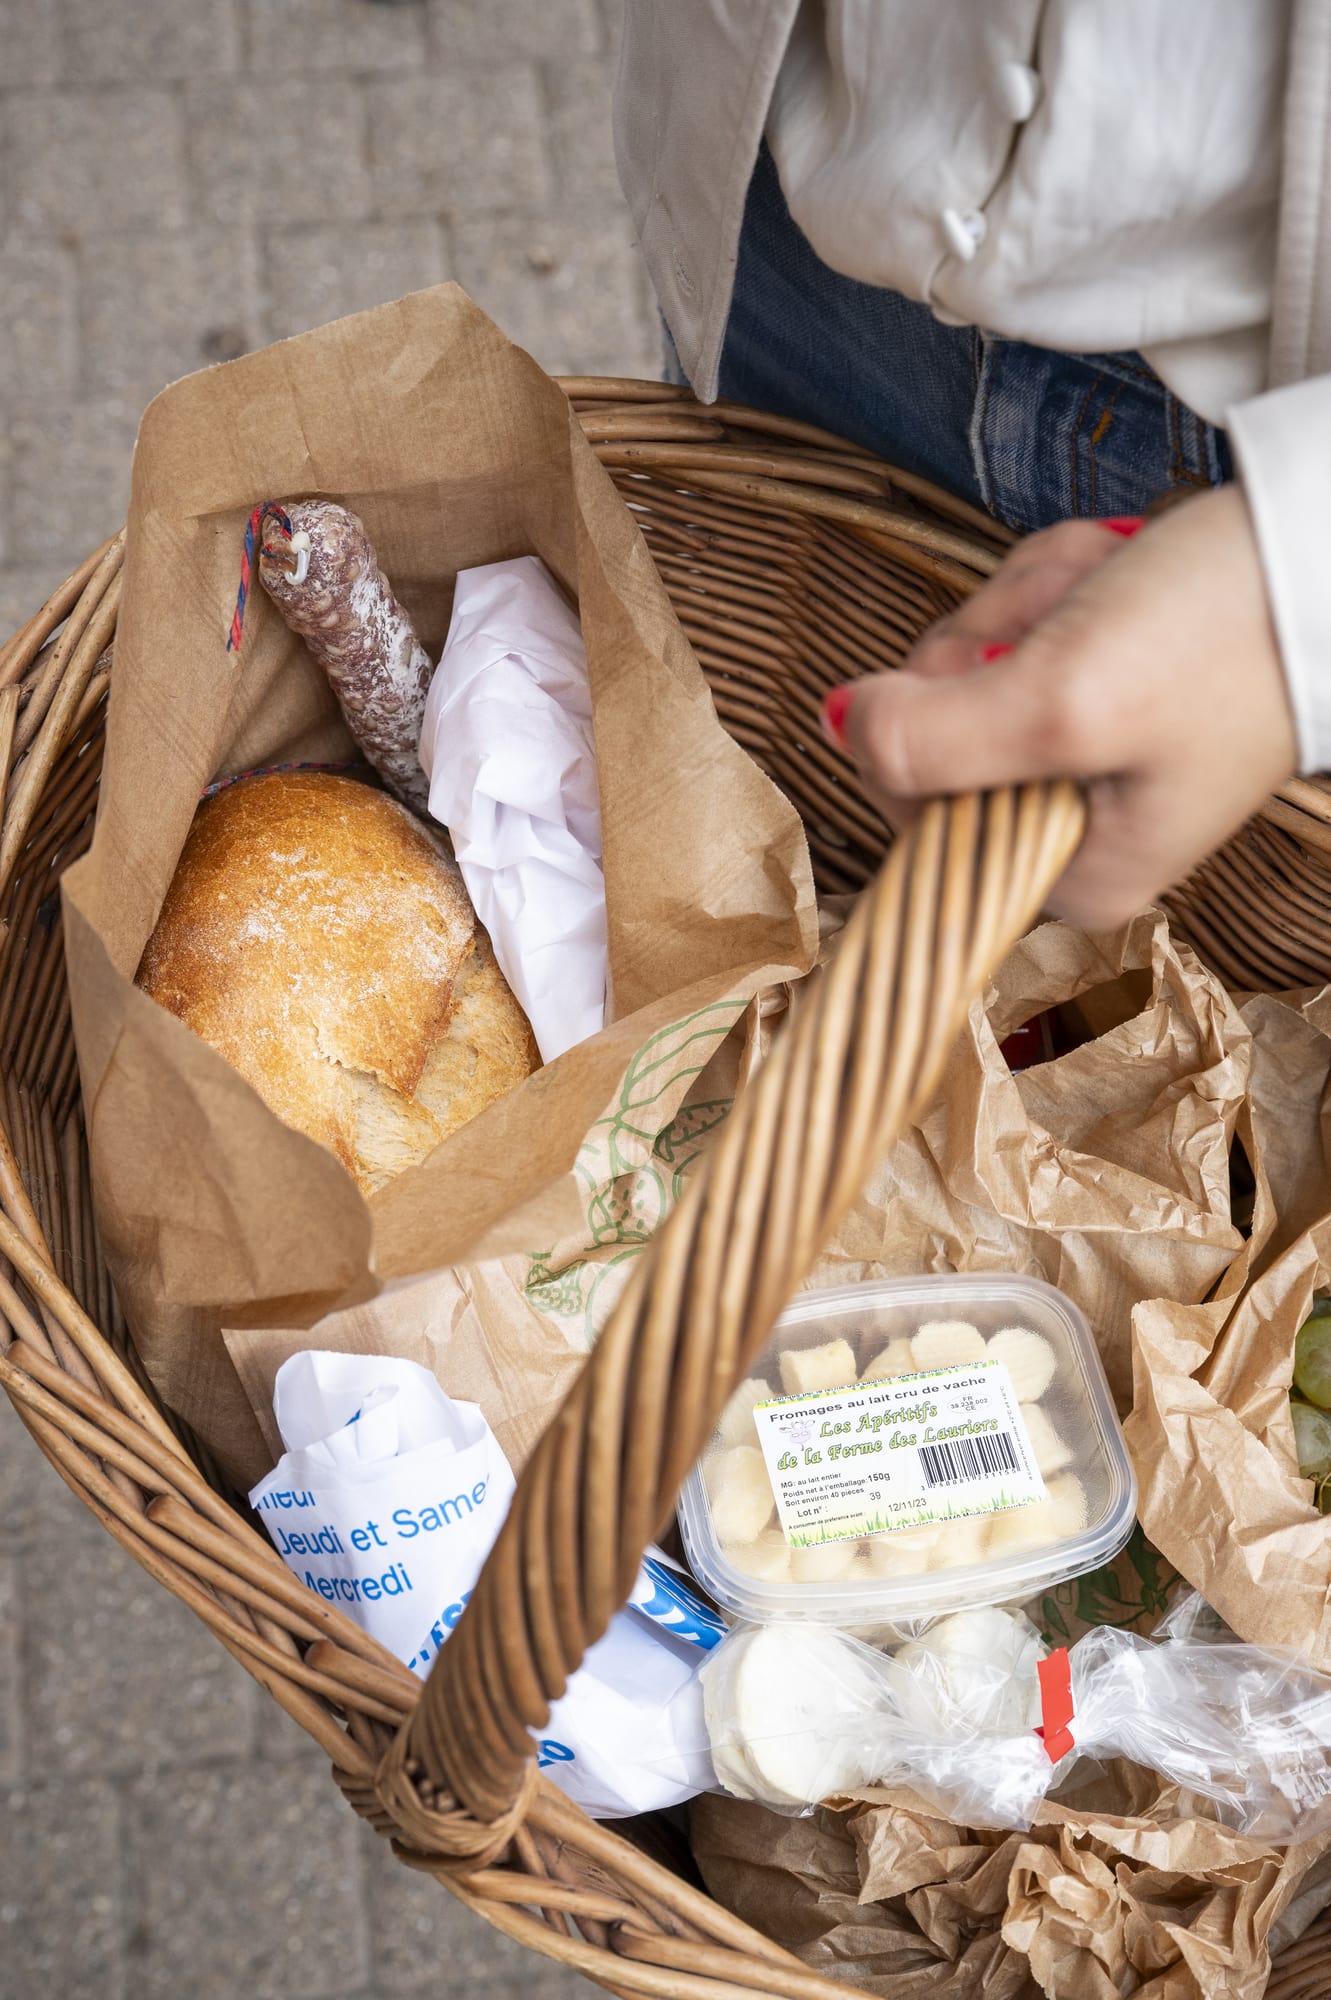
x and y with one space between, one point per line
965 230
1019 90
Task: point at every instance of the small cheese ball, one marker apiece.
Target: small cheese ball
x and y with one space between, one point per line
1067 1496
1029 1358
961 1543
947 1343
767 1559
1051 1452
822 1562
906 1552
741 1494
736 1425
1019 1528
831 1366
897 1358
1061 1513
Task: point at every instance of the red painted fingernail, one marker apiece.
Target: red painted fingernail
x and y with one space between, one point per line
994 652
836 707
1122 524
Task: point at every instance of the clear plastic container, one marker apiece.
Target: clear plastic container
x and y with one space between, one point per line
908 1448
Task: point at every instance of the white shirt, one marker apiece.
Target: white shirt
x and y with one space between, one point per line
1082 174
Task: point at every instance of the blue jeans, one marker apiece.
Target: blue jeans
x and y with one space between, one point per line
1032 435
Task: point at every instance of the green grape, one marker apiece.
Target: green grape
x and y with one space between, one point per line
1312 1439
1312 1356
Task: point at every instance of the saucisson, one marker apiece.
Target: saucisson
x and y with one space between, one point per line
344 608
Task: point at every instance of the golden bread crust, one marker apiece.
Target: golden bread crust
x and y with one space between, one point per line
321 940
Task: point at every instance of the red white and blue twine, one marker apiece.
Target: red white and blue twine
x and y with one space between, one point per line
253 529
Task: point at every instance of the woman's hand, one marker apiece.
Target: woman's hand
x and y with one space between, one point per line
1144 665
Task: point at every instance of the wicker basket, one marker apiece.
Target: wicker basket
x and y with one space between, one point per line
793 563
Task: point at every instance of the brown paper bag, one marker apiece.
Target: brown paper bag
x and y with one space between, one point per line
1210 1433
456 450
1089 1905
1105 1172
511 1333
800 1881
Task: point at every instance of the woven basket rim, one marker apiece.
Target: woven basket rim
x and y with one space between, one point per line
642 1930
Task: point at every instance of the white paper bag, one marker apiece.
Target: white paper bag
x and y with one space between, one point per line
507 747
387 1502
629 1734
389 1497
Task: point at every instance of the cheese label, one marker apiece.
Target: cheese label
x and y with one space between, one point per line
908 1451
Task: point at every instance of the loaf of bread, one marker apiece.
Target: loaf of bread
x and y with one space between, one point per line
320 938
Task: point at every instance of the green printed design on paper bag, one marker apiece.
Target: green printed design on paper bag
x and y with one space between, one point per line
681 1142
628 1210
633 1165
666 1060
1131 1593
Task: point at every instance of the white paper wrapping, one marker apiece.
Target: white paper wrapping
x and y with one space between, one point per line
387 1502
507 747
389 1496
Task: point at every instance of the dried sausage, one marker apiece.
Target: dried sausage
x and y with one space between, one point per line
343 607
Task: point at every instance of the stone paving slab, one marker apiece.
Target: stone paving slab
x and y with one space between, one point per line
112 1686
181 181
240 1888
314 274
39 333
11 1679
62 1925
85 160
207 299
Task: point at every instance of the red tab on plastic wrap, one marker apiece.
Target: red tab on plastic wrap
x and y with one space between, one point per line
1056 1708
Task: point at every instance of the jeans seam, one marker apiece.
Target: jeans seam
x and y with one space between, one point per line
979 418
1073 442
1139 371
1181 472
1215 468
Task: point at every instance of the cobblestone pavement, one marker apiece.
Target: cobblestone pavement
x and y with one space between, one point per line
181 180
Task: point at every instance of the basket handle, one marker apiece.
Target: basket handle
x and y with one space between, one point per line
862 1054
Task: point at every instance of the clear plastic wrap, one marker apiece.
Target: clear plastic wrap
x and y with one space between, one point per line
797 1714
1248 1729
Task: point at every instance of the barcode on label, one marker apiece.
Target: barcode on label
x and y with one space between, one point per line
969 1458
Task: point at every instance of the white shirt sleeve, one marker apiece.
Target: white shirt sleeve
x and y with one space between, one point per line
1282 446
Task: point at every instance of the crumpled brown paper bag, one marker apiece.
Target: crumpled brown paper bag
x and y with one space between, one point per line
1105 1172
1089 1905
1221 1492
456 450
